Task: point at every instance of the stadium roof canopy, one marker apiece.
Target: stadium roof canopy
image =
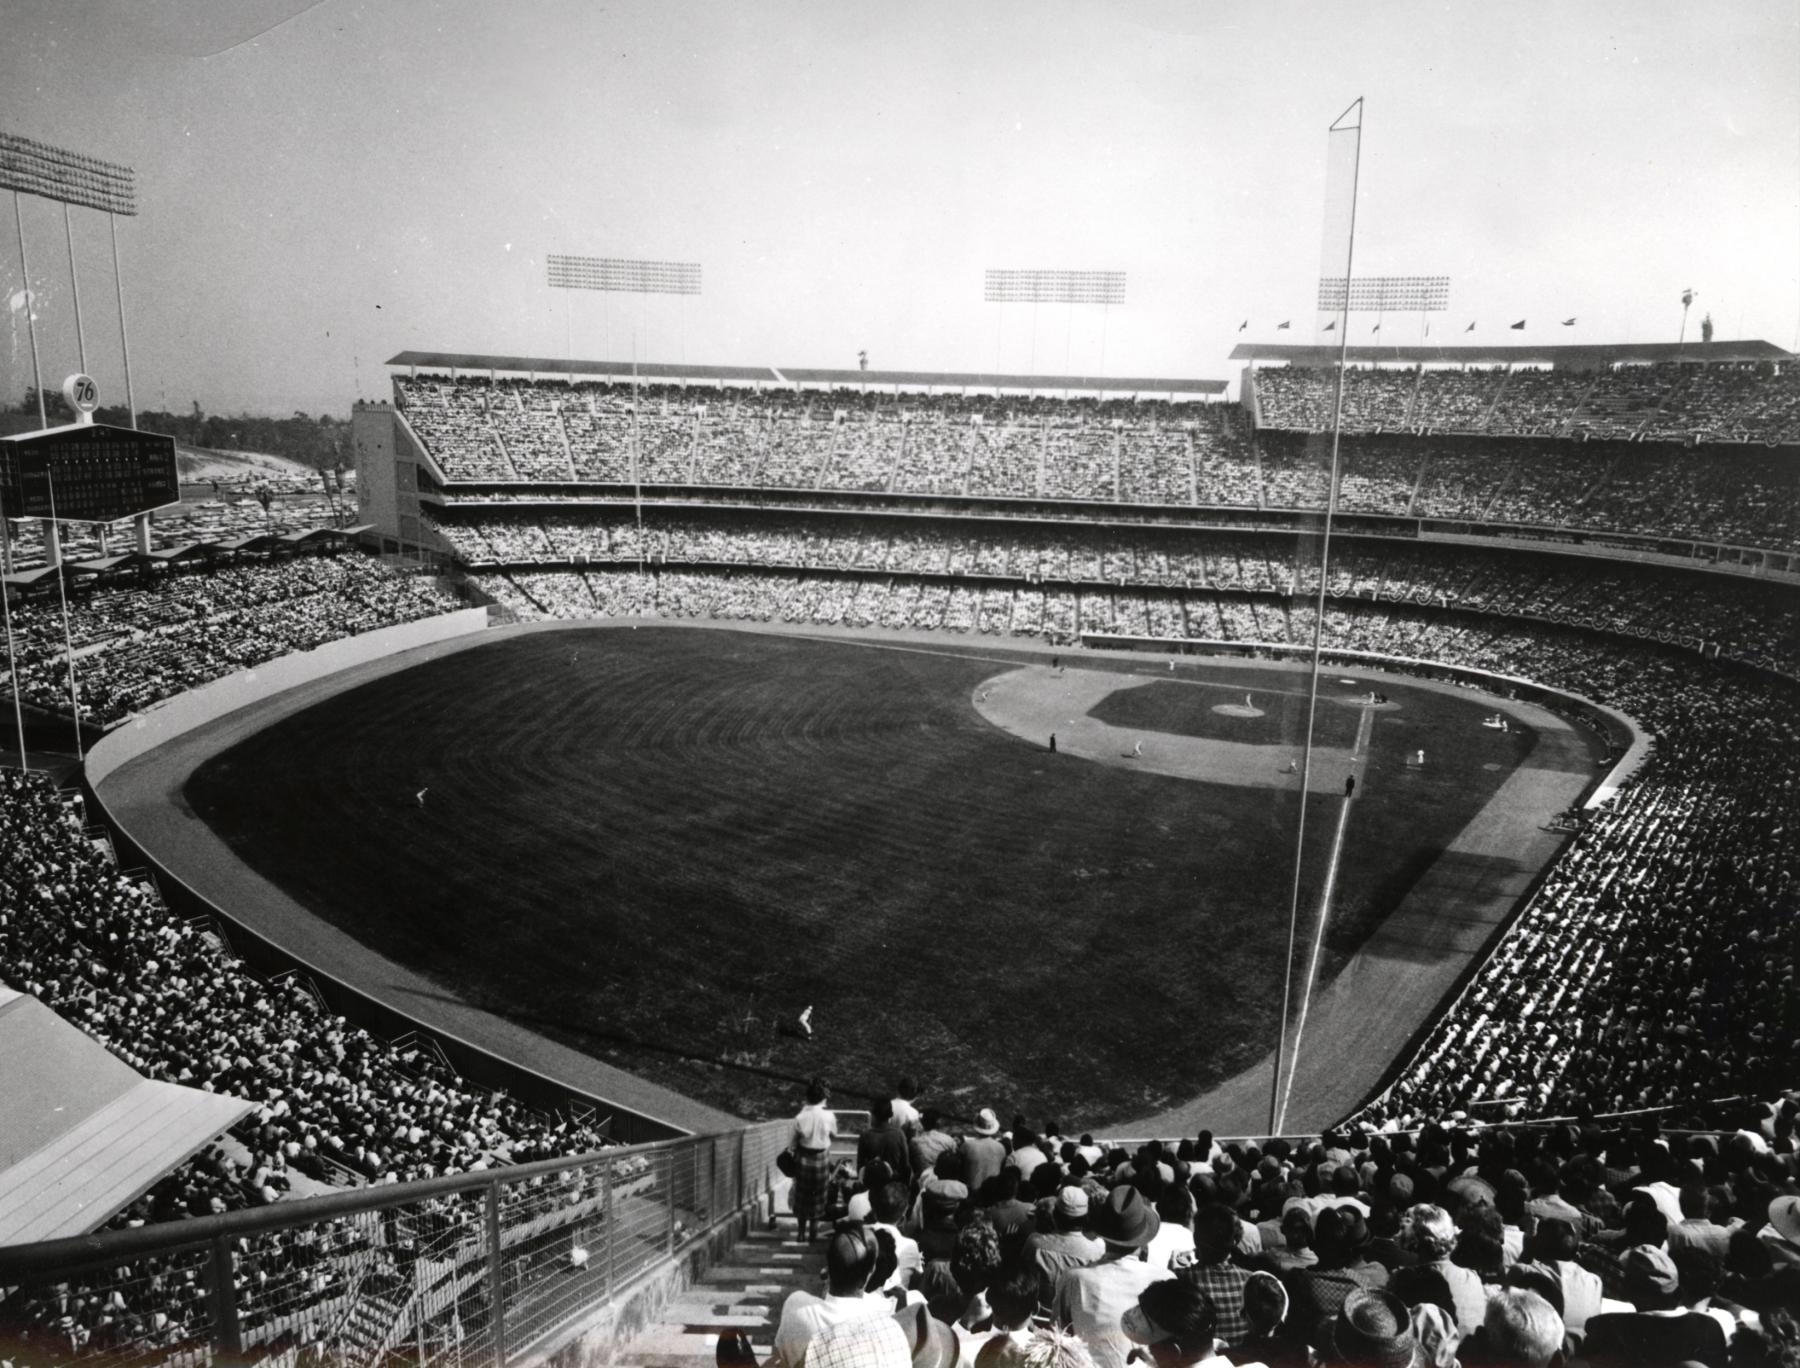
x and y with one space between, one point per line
82 1134
557 365
1579 357
1127 384
806 375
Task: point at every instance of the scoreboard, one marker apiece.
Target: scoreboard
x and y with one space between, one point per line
89 473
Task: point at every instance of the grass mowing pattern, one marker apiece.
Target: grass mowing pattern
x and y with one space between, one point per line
659 845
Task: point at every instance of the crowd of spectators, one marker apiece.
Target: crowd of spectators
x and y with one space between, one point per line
484 431
1686 402
335 1105
1120 574
171 628
1529 473
1452 1244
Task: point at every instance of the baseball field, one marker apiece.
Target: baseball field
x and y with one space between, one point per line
660 846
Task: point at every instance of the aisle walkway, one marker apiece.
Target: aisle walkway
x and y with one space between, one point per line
744 1293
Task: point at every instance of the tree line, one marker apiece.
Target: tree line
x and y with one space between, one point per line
322 442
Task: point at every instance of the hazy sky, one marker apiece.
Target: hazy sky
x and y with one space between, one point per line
372 175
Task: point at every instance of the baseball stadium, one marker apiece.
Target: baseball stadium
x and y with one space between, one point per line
628 860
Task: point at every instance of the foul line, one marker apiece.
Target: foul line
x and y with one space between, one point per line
1363 730
1312 966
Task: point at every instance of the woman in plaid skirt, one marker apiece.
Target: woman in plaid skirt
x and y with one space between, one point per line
814 1130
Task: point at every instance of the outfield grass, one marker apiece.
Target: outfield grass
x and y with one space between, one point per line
660 845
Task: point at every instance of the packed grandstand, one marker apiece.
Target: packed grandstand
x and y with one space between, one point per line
1626 535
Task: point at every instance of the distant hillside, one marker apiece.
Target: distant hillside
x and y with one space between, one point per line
200 464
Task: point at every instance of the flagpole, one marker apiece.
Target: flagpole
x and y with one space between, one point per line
1281 1090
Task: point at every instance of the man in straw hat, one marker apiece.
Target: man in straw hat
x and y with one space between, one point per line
1373 1329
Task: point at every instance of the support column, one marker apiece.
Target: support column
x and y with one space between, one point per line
140 534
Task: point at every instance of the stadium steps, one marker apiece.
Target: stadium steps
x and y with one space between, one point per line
744 1294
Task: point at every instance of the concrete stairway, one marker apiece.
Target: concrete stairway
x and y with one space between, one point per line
744 1293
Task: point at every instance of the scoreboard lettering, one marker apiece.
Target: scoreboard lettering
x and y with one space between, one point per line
88 473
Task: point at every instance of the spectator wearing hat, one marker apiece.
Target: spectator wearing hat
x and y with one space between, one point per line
1174 1321
849 1261
1091 1300
1373 1329
1782 1233
940 1204
983 1152
1661 1330
1215 1270
1644 1225
1050 1253
1048 1346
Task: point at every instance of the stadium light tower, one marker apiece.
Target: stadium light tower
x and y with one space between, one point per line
621 275
1420 294
30 167
1004 287
625 275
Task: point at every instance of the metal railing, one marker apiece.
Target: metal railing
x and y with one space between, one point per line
476 1268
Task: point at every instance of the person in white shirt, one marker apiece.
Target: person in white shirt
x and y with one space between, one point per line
849 1260
810 1143
906 1116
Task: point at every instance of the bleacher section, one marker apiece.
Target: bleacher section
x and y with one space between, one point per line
1723 402
147 634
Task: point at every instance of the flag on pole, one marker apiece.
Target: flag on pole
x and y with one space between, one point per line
1568 322
1470 328
1331 326
1376 328
1517 326
1280 326
1243 325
